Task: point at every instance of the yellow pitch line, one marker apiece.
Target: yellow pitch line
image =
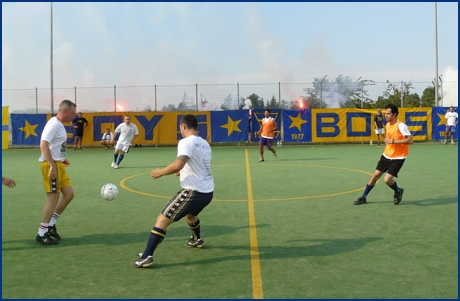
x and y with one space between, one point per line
257 292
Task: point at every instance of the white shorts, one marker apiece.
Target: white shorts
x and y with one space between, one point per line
122 147
379 131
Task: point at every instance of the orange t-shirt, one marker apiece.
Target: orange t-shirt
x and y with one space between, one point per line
266 126
397 131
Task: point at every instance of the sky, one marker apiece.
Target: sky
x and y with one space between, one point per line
142 44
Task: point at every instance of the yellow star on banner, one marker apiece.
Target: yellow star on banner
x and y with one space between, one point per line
297 122
442 119
231 126
29 129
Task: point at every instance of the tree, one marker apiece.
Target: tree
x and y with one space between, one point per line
393 92
273 104
428 96
257 102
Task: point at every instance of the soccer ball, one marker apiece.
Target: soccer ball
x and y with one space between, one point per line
109 192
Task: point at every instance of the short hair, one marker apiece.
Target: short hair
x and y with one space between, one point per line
66 104
267 110
452 107
190 121
393 108
127 116
107 129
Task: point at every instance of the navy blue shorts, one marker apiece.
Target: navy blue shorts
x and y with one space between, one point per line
450 128
265 141
186 202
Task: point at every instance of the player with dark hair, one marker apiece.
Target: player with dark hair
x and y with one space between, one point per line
378 124
396 150
267 133
8 182
128 132
55 179
451 124
193 165
80 125
107 139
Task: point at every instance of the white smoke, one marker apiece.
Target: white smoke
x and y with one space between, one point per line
450 87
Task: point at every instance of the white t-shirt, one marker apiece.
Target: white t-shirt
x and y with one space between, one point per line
54 132
451 118
196 174
127 133
107 137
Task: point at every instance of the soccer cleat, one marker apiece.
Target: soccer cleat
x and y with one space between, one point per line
452 142
195 243
106 147
444 142
261 160
74 148
116 166
378 142
360 201
275 155
53 232
113 164
46 239
398 196
142 262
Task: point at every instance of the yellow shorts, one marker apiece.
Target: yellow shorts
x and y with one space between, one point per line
62 179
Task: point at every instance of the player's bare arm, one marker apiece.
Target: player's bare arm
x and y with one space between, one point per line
134 137
172 168
44 147
406 140
275 127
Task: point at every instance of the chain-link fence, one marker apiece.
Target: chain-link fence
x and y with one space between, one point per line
230 97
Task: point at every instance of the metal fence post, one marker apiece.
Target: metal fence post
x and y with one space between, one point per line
115 97
238 94
362 94
196 95
279 95
321 91
36 100
75 95
155 97
402 90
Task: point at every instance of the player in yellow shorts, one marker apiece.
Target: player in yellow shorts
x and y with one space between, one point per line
396 150
53 166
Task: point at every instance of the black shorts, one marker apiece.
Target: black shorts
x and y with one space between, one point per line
79 133
389 165
186 202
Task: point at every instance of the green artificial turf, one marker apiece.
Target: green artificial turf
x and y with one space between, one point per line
313 242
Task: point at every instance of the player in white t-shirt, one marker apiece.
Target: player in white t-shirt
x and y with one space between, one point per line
193 164
107 139
128 132
55 179
451 124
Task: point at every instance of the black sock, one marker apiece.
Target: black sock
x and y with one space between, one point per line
156 237
195 227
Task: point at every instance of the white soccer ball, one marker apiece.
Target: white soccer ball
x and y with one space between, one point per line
109 192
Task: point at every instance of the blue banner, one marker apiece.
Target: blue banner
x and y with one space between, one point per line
27 128
439 123
297 126
258 115
229 126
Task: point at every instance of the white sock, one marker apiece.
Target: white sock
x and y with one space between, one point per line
54 219
43 229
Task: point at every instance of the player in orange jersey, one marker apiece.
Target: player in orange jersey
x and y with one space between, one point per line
396 150
267 133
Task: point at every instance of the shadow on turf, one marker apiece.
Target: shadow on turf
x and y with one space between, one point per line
307 159
309 247
441 200
115 239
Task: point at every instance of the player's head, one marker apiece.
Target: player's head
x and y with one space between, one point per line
188 122
391 112
79 114
107 130
451 109
379 111
67 110
127 119
267 113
